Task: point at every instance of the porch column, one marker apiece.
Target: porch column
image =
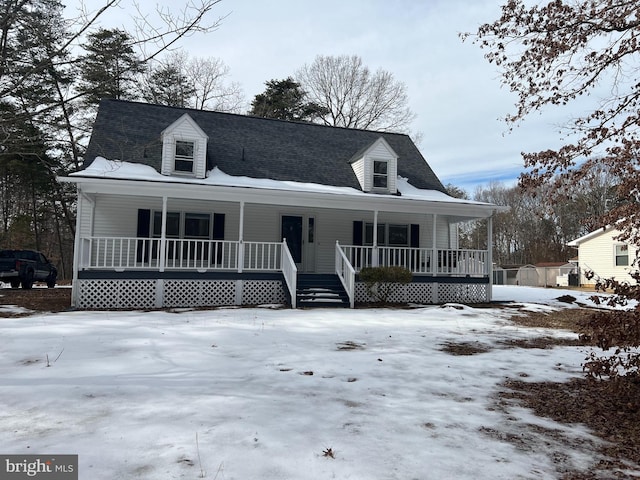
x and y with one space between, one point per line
434 252
163 235
374 254
241 238
78 256
489 267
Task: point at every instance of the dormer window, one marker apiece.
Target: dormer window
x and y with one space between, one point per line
376 168
184 149
184 156
380 174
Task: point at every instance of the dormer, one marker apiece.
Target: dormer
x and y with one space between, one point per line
376 168
184 149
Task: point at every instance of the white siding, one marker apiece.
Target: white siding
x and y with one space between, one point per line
598 255
184 129
358 169
85 206
363 168
381 152
118 216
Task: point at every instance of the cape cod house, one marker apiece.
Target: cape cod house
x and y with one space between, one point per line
181 207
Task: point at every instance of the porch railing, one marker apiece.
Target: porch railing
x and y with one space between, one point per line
346 273
130 253
290 273
420 260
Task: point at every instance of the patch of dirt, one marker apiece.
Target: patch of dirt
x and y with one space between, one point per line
349 345
464 348
610 410
612 413
566 318
37 299
542 342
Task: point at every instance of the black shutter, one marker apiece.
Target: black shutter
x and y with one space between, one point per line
357 240
415 236
357 233
415 243
218 234
143 231
218 226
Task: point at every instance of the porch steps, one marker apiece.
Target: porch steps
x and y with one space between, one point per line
320 290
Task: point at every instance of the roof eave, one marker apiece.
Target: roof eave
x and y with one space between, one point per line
343 201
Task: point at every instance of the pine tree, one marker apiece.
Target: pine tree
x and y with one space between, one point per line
110 67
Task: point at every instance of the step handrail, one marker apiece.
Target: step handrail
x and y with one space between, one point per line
346 273
290 272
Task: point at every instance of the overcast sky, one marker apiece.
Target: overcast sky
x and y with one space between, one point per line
454 91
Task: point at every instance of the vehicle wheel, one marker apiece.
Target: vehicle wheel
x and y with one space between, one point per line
51 281
27 280
15 283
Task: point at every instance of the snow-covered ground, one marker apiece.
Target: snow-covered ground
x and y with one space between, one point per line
271 394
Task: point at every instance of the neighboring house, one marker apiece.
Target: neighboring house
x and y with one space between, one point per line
601 253
181 207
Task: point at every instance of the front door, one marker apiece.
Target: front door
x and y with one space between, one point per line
299 232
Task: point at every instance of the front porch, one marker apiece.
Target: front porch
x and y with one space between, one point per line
135 272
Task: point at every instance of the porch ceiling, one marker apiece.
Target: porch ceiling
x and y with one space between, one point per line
459 210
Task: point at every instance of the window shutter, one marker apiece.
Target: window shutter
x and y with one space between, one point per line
414 242
415 236
356 255
218 226
357 232
218 234
143 231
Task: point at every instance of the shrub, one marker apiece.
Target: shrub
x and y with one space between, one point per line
617 329
382 282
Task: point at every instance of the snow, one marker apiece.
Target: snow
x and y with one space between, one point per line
116 169
262 393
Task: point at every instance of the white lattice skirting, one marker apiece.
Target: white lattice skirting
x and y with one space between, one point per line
107 294
432 293
145 294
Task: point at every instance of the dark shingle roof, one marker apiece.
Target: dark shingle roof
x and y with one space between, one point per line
251 146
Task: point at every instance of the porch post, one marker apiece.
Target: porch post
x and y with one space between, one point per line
77 255
374 254
163 234
241 238
489 267
434 252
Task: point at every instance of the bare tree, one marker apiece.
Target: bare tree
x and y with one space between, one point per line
201 83
355 97
212 90
557 53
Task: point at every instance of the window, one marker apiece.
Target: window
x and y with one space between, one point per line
173 224
392 235
196 225
183 225
380 176
622 255
368 234
184 156
399 235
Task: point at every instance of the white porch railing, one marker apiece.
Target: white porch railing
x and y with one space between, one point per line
130 253
346 273
426 261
